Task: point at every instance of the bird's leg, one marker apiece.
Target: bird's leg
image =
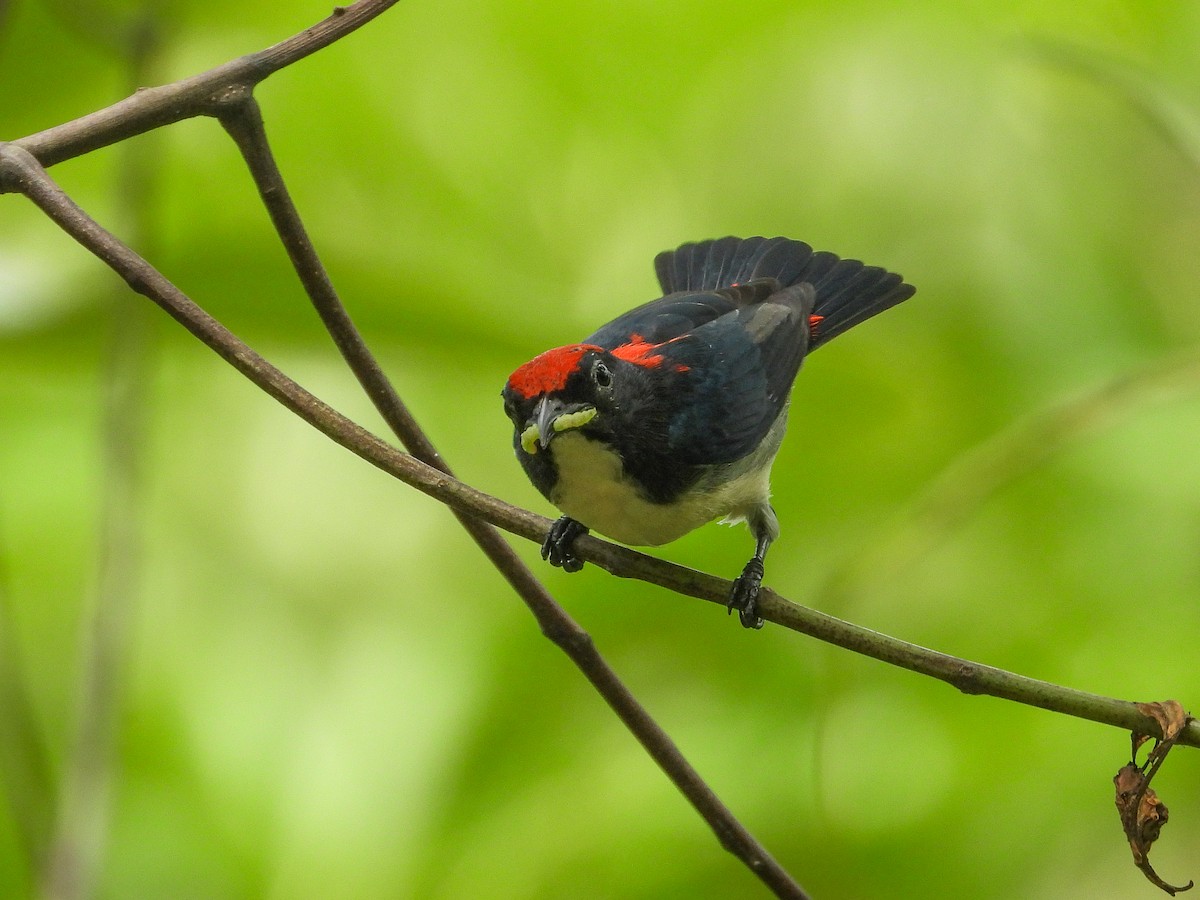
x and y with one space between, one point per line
744 596
557 546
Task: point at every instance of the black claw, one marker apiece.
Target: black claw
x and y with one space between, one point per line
744 596
556 549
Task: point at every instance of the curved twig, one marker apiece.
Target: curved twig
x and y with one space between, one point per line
199 95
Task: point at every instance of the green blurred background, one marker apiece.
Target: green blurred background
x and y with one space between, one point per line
318 688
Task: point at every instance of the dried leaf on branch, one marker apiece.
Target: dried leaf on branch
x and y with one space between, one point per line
1142 813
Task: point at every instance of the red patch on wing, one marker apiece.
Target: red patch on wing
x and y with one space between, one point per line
549 371
813 322
641 353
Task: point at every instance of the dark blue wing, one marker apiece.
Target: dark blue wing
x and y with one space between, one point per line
739 370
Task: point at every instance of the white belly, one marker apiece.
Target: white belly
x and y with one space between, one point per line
591 489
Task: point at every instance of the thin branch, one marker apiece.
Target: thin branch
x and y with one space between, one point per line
151 108
24 175
242 118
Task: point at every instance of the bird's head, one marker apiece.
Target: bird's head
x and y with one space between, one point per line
616 396
577 387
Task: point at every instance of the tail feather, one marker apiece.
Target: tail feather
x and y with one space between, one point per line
869 293
711 265
782 260
847 292
684 265
745 258
823 269
720 261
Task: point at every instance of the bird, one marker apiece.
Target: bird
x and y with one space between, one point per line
670 416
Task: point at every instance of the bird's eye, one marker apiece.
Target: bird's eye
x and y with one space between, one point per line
601 375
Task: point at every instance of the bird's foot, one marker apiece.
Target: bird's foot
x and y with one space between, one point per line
556 549
744 596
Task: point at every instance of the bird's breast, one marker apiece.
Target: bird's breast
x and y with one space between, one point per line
594 489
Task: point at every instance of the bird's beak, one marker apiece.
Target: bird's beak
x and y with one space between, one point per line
551 417
544 416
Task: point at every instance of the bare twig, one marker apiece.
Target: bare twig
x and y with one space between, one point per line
242 118
23 174
154 107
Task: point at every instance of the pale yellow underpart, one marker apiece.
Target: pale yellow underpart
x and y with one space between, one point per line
592 488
